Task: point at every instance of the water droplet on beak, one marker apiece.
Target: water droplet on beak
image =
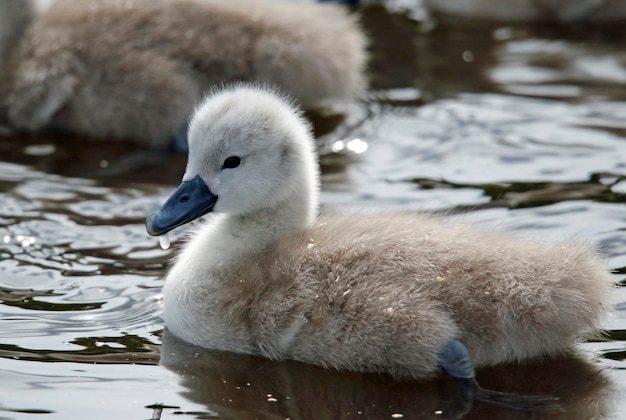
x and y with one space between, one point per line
164 240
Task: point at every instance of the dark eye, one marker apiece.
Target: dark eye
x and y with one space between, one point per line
231 162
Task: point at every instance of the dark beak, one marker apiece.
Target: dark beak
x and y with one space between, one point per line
191 200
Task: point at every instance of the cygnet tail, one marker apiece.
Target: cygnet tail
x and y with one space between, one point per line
573 297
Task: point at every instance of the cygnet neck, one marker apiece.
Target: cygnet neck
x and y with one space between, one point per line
297 210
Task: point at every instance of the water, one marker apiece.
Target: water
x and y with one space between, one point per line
522 128
164 241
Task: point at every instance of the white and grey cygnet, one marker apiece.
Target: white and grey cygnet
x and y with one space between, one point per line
403 294
134 69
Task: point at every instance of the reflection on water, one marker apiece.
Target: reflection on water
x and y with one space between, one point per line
516 127
227 382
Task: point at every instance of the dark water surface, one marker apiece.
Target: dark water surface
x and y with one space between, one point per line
522 128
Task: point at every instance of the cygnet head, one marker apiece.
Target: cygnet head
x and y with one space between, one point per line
250 150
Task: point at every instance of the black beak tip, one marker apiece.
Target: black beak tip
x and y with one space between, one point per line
151 224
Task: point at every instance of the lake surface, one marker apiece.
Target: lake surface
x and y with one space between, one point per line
519 128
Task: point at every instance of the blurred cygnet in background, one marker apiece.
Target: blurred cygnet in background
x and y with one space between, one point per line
134 69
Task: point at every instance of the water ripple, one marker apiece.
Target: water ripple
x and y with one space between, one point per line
58 238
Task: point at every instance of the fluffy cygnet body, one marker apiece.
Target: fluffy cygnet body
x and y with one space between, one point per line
134 69
564 11
393 293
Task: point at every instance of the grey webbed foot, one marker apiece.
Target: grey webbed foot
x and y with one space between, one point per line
455 361
511 401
